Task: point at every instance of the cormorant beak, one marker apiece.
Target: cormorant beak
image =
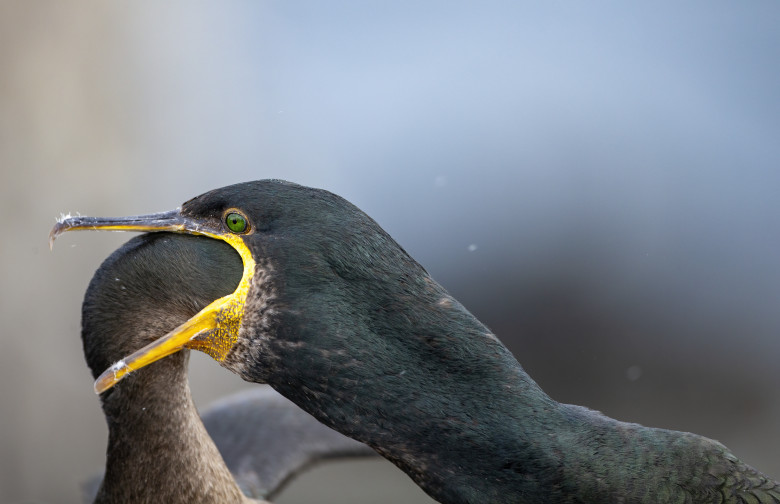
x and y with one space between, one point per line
214 330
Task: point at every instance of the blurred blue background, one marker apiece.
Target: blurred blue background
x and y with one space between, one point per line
598 182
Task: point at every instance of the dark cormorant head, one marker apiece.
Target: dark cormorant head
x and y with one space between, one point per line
315 270
139 293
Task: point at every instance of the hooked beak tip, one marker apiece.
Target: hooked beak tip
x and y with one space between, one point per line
111 376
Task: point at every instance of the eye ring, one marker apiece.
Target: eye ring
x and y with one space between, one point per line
236 222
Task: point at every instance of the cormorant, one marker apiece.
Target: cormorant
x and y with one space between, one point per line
335 315
158 448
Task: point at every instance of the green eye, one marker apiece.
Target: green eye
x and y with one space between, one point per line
236 222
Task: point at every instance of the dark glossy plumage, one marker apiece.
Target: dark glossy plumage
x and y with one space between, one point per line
342 321
158 449
353 330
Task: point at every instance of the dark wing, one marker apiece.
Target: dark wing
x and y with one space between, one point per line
727 479
265 439
744 485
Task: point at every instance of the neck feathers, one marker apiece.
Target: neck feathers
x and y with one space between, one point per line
158 449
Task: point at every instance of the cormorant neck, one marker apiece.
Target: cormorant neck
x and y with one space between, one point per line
158 449
423 382
434 391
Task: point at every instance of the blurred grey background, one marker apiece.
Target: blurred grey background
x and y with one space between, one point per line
596 181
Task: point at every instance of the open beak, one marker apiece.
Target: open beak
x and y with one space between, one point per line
214 330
